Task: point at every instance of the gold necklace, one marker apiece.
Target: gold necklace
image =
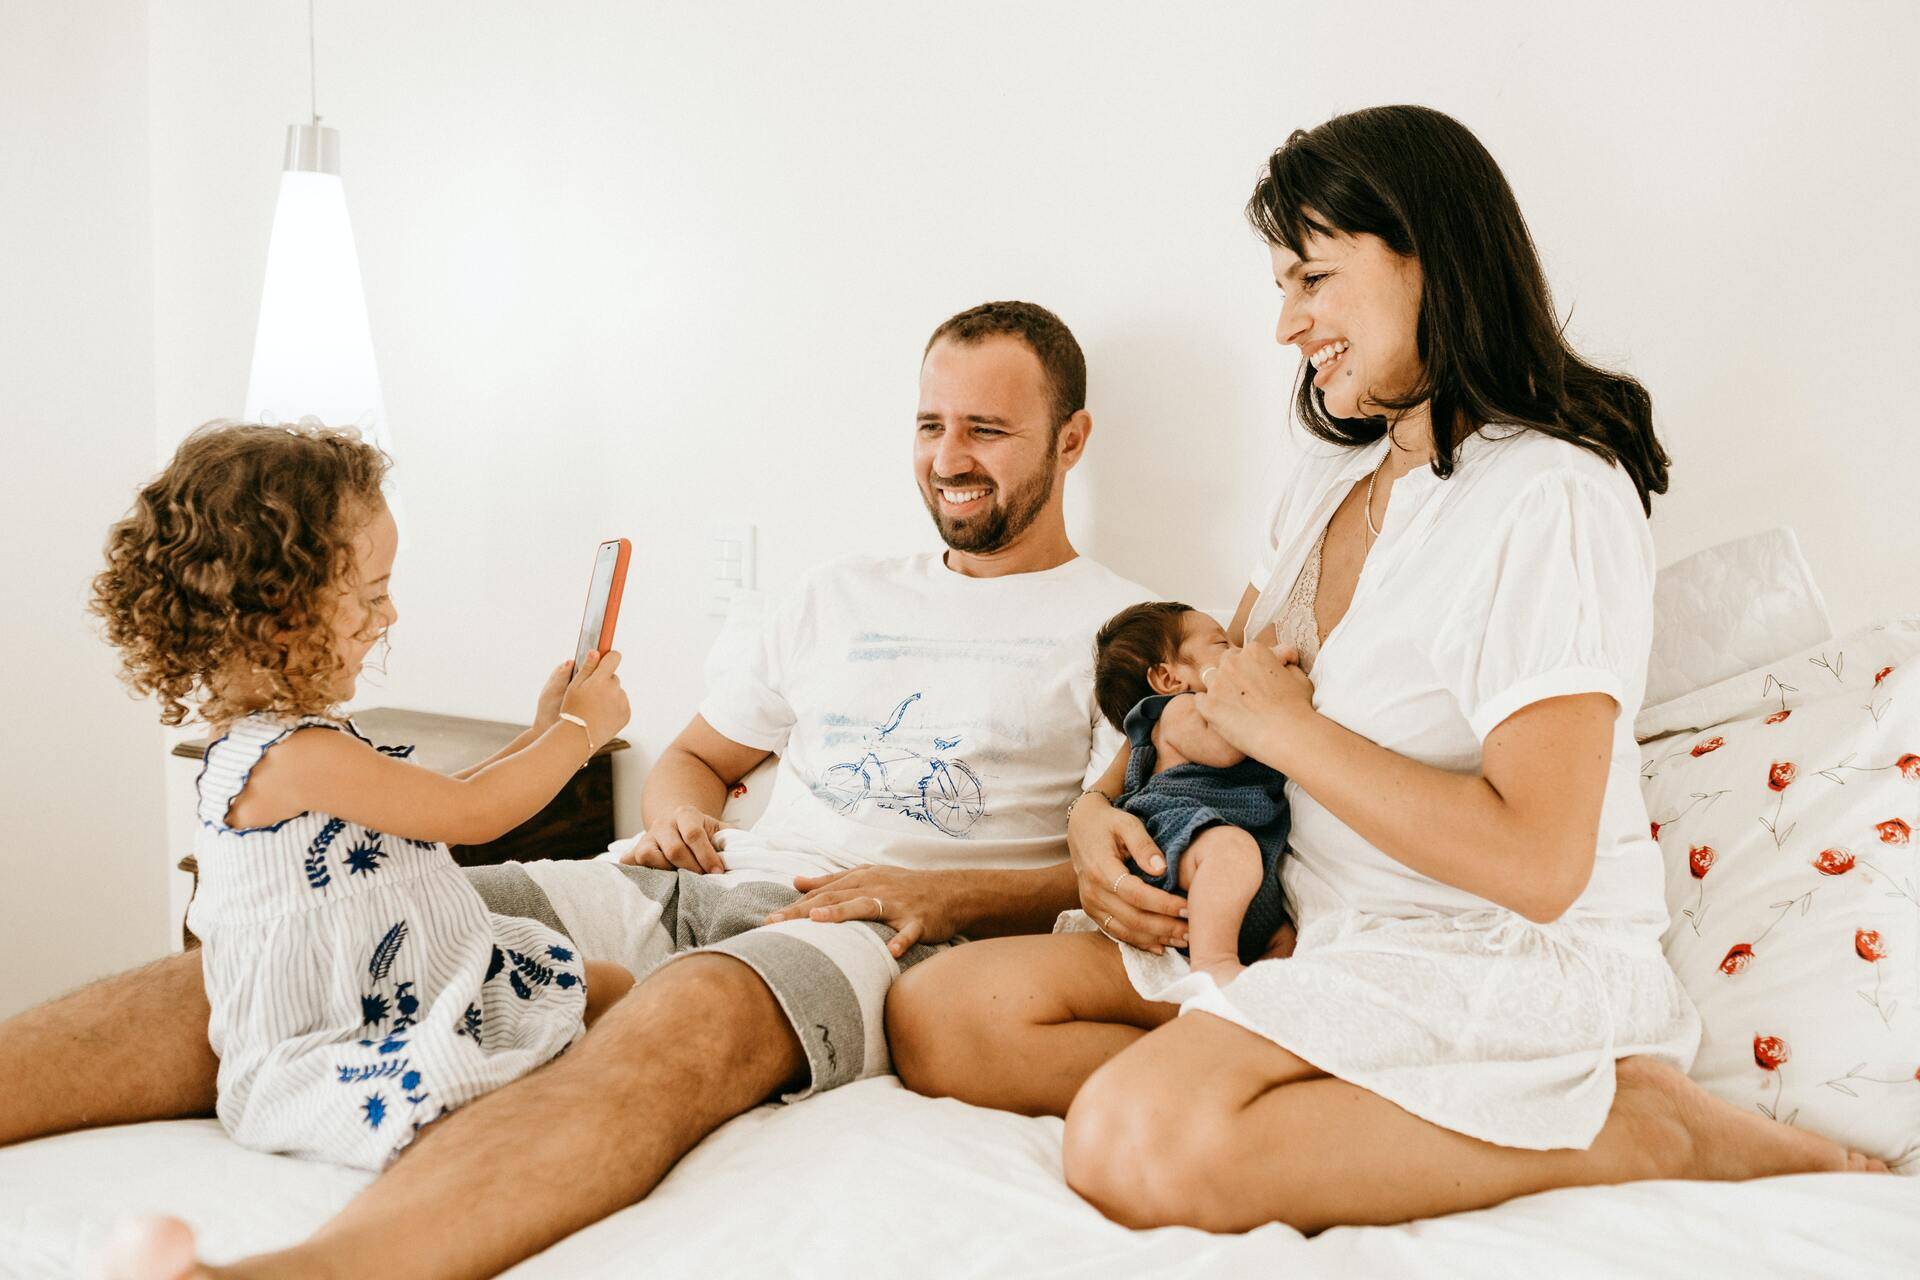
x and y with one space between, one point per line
1372 528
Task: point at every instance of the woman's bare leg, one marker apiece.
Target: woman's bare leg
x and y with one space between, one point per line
128 1048
1273 1139
1015 1023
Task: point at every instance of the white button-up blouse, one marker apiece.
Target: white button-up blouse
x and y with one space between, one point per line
1525 575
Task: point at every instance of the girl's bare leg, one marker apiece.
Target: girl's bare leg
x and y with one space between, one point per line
1273 1139
1221 872
1015 1023
128 1048
606 983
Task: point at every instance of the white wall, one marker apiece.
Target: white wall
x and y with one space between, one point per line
82 852
637 268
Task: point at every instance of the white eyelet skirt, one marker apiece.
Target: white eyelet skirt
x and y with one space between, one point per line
1482 1022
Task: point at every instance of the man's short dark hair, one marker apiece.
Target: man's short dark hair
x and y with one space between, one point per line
1131 643
1045 334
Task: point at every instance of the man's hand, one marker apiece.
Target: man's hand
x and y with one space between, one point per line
918 905
682 839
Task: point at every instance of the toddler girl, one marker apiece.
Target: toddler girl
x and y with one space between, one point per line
359 987
1219 819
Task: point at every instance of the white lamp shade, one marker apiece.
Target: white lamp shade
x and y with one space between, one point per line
313 351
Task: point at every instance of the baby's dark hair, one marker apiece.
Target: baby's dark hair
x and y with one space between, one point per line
1129 644
220 580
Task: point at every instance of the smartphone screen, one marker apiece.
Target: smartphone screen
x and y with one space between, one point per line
596 624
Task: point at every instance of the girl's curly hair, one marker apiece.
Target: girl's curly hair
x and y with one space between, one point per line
221 581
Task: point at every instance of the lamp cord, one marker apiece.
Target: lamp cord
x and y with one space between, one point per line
313 76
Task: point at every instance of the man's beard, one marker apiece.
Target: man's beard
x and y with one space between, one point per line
1001 523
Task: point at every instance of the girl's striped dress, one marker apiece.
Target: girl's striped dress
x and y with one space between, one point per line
360 988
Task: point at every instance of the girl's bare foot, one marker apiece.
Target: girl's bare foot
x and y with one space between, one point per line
1688 1133
150 1249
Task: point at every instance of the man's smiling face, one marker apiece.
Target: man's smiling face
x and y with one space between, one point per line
983 452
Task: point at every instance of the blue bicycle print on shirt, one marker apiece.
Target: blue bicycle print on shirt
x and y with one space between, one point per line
945 793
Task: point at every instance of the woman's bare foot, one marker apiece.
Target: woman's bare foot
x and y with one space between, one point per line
1689 1133
150 1249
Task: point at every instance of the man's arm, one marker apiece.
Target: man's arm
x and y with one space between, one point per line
683 797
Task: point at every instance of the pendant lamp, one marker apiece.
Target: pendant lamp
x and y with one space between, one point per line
313 350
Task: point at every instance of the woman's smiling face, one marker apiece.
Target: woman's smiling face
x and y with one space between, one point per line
1353 308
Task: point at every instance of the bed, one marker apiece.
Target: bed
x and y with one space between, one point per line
874 1180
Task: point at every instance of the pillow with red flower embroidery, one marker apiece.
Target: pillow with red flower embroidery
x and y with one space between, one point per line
1795 899
1853 661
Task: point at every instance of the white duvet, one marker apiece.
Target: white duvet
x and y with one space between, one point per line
871 1180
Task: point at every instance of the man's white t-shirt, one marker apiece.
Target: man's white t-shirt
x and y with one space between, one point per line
923 718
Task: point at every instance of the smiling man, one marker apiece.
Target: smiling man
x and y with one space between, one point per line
934 718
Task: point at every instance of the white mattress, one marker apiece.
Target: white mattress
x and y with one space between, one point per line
871 1180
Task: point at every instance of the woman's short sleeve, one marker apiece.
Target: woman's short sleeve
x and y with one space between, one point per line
1559 602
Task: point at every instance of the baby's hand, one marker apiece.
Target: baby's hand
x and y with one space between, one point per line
547 712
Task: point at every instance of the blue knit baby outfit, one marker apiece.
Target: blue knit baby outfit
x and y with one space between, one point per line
1180 803
359 987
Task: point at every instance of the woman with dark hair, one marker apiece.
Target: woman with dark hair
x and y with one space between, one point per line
1443 647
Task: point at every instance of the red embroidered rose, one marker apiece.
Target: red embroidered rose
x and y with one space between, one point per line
1781 776
1778 716
1867 943
1770 1052
1833 862
1738 957
1909 767
1656 831
1711 744
1894 831
1700 860
1884 673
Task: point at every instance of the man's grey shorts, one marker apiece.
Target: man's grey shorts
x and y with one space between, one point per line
830 979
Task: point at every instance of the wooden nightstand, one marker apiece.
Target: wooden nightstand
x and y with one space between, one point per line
578 823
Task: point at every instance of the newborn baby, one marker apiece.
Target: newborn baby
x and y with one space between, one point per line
1219 818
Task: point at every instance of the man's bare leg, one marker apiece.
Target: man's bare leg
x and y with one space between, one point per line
128 1048
694 1045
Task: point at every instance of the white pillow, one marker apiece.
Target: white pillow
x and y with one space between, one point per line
1791 880
1850 661
1729 609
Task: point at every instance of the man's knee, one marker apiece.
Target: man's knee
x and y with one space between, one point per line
712 1010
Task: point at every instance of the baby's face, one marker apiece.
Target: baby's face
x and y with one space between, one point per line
1202 642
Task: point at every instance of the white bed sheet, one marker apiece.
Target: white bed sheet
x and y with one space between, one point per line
871 1180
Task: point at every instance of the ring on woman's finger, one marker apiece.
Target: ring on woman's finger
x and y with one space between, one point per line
1107 925
1114 888
1206 677
879 907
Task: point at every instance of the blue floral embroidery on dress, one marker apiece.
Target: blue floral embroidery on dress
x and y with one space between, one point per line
397 752
373 1071
560 953
318 877
363 858
494 965
407 1003
564 980
520 988
388 949
375 1110
470 1022
373 1010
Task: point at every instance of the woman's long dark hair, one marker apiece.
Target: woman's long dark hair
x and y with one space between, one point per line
1487 337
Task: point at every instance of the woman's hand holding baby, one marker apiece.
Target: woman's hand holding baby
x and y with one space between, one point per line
1252 698
1100 838
596 697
